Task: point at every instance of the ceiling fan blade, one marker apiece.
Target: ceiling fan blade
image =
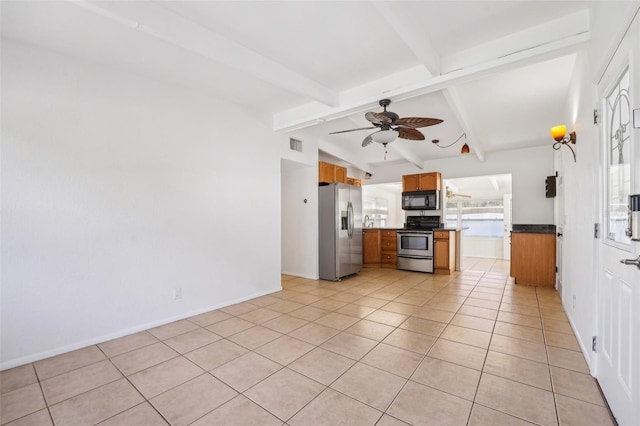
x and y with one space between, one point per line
451 194
415 122
377 118
409 133
367 141
352 130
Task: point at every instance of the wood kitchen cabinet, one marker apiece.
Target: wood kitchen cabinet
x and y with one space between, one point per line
444 252
533 258
371 247
389 253
379 248
354 181
422 182
331 173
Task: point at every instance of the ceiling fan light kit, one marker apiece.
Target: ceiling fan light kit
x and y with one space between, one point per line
559 134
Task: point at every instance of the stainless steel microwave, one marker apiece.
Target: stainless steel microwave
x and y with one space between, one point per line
421 200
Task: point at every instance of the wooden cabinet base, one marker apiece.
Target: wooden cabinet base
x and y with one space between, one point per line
533 259
444 252
379 248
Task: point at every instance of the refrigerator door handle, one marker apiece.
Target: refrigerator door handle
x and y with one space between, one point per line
353 221
350 219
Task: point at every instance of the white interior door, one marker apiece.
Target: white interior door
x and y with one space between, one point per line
559 220
507 198
618 352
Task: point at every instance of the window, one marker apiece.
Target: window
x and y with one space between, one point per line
482 218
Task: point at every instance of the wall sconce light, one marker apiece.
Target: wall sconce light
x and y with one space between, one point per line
559 134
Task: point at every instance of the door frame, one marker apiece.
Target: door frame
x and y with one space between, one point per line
507 200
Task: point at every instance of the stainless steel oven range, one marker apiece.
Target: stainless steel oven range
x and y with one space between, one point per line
415 243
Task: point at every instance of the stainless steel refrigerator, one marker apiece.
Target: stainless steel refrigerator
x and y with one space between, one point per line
340 228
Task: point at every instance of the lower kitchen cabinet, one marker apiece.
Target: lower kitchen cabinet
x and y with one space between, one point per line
389 254
533 258
379 248
371 250
444 252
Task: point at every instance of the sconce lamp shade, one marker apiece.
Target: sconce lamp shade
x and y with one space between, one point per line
558 132
465 149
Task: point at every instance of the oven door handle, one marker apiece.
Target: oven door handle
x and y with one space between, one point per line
412 256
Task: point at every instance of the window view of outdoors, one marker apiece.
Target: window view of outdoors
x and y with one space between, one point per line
482 218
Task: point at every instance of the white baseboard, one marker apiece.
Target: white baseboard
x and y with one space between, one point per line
121 333
297 274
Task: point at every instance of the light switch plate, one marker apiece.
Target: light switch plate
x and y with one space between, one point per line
636 118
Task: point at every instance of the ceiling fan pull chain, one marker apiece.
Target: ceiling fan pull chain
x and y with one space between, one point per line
385 151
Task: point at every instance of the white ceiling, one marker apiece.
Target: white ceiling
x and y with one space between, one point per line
498 71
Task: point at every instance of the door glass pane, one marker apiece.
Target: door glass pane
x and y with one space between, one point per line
618 134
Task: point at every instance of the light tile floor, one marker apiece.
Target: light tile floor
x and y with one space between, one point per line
385 347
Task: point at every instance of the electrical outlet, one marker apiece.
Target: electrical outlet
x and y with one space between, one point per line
177 293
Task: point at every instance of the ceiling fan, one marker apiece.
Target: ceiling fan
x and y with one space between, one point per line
451 194
392 126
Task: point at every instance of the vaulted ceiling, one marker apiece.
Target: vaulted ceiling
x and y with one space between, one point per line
497 71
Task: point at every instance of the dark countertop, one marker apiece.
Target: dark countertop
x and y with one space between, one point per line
533 229
377 228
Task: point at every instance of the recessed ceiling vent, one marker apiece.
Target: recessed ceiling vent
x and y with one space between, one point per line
295 144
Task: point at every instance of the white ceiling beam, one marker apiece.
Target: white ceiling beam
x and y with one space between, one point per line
453 99
494 183
334 149
538 35
162 23
407 155
409 30
518 59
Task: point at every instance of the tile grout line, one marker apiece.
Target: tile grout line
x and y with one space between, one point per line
475 395
378 286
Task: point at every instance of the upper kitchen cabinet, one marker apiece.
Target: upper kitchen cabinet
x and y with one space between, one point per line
422 182
354 181
331 173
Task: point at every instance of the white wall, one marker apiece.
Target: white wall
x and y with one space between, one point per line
299 220
489 247
529 168
117 189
